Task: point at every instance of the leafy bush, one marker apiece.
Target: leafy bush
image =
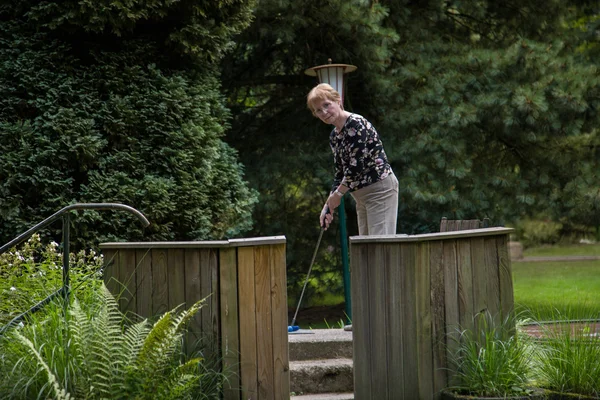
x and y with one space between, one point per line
94 354
537 232
34 271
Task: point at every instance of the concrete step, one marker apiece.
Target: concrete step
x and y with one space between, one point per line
325 396
318 344
321 376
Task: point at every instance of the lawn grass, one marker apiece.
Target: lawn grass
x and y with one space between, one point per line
570 250
567 287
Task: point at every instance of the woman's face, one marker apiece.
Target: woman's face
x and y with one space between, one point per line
327 110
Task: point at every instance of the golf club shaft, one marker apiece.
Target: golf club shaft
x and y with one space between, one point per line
309 269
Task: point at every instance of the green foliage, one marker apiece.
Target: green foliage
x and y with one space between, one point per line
492 360
88 118
201 31
34 271
538 232
95 354
486 109
492 133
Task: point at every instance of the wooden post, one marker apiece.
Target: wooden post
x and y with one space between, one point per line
244 321
410 297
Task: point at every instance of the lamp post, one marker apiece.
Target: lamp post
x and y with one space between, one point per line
334 75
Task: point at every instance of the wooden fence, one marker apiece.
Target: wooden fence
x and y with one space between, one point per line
245 317
410 295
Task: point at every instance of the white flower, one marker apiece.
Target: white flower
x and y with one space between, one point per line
12 288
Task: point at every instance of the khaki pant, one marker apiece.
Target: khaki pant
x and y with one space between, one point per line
377 207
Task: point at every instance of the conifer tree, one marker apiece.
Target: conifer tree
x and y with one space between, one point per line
108 101
486 109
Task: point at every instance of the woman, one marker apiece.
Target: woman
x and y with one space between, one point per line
361 166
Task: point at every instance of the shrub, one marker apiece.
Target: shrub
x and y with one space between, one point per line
34 271
94 354
87 116
538 232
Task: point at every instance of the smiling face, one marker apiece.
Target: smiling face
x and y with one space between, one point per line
327 110
325 103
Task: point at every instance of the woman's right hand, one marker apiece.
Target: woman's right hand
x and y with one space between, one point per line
326 217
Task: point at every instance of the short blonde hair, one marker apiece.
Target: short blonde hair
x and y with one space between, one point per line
322 91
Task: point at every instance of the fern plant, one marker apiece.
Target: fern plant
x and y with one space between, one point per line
95 353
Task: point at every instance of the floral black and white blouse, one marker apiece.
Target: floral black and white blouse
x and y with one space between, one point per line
358 154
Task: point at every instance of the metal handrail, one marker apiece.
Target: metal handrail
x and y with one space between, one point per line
77 206
64 214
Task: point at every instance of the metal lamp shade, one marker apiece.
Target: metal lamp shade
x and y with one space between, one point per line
332 74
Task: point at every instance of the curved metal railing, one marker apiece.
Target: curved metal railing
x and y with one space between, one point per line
65 216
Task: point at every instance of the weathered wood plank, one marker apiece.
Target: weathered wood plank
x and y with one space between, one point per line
215 302
451 225
176 277
444 224
143 276
451 303
492 277
471 224
395 328
206 290
440 379
465 284
409 338
160 287
506 282
361 342
247 310
210 313
229 323
264 322
378 322
423 326
127 298
192 295
279 325
111 265
480 301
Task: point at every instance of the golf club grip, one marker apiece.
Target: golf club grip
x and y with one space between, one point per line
324 225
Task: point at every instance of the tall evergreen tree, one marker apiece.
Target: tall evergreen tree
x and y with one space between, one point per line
110 101
497 111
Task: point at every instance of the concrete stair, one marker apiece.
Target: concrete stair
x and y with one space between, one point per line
321 365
